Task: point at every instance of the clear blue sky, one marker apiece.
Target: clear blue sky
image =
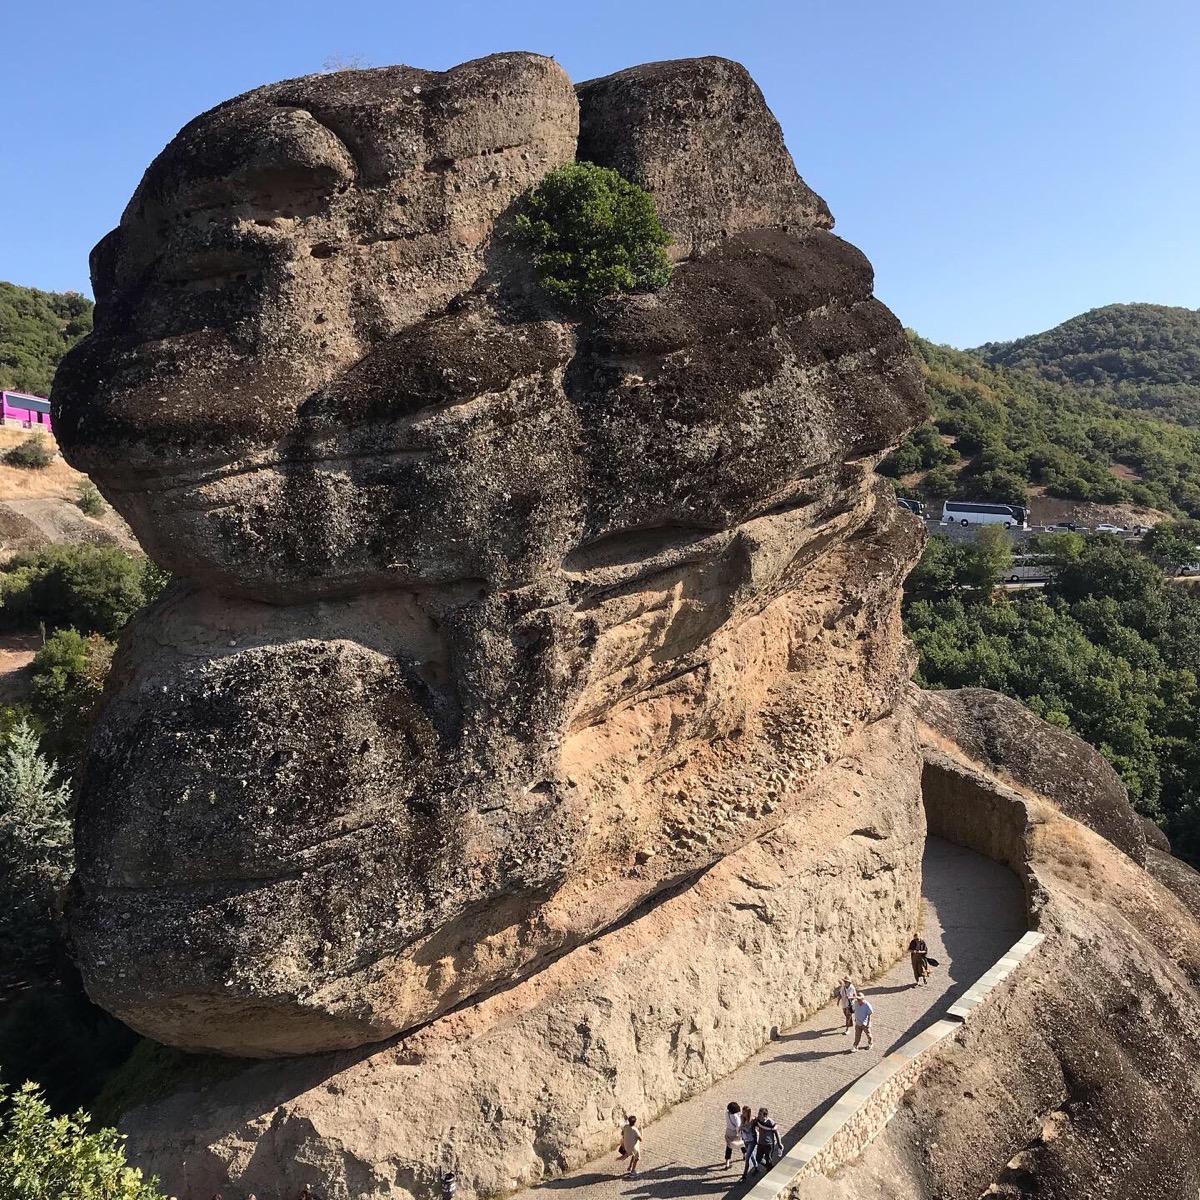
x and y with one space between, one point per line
1004 163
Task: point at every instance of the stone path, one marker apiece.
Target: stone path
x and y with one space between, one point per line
974 911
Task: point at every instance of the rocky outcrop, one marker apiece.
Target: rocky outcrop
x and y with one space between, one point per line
1007 740
493 625
536 1079
1081 1078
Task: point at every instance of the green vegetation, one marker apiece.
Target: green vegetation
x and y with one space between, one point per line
1136 356
32 453
36 330
36 855
592 234
1110 650
1005 431
94 589
89 499
68 680
43 1157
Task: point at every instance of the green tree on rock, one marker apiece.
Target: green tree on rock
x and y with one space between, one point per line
593 234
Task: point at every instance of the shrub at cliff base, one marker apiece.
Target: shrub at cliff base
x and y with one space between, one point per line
35 852
32 452
94 589
43 1157
593 234
68 681
89 499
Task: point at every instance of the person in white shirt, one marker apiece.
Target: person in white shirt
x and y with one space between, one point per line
733 1129
631 1145
862 1021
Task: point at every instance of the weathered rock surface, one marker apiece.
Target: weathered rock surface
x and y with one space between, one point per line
1081 1079
491 626
1010 742
536 1079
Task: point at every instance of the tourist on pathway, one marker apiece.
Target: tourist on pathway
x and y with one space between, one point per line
631 1145
845 993
862 1021
767 1140
746 1132
733 1129
918 952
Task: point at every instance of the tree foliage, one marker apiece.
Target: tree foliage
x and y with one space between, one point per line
44 1157
68 681
1137 356
36 856
94 589
593 234
1110 650
1016 430
36 329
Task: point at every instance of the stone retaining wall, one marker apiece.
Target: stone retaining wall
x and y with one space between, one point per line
862 1111
973 811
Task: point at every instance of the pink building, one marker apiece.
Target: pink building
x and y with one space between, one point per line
29 412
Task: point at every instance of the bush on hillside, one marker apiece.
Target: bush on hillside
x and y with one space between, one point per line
33 453
89 499
94 589
68 681
593 234
44 1157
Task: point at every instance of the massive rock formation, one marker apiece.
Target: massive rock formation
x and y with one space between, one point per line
494 626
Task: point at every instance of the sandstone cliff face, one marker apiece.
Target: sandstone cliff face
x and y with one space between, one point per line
490 626
536 1079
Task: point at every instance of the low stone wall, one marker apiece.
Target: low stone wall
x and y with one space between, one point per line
967 808
862 1111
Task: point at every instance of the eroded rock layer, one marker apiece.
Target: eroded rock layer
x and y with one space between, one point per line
536 1079
492 623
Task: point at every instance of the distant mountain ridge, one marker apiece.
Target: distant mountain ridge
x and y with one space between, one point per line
1139 356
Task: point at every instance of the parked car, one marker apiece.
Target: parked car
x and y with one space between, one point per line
1110 528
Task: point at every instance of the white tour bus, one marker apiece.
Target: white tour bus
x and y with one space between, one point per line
1029 568
974 512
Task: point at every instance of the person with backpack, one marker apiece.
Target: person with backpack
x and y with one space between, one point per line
733 1129
845 993
918 952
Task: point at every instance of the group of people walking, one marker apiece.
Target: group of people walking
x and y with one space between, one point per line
757 1137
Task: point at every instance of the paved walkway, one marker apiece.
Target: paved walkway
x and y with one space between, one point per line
974 911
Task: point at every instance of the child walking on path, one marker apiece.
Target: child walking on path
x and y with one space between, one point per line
631 1145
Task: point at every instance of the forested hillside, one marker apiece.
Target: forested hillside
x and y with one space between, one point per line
997 433
36 330
1109 650
1139 356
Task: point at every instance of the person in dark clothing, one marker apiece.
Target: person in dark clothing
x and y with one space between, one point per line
918 952
766 1142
